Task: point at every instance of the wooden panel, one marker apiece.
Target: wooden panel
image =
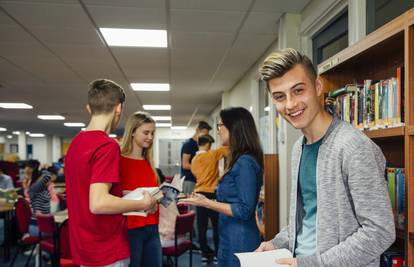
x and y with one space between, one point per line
383 133
271 183
409 189
409 129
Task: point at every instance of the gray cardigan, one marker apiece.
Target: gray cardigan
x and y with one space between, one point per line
354 222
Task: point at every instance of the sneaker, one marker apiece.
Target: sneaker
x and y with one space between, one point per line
215 260
204 260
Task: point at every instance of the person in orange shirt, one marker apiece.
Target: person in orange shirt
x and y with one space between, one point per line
137 170
204 166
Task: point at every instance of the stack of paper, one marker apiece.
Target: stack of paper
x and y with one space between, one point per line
263 259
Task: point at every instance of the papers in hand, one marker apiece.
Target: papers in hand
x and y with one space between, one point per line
263 259
138 194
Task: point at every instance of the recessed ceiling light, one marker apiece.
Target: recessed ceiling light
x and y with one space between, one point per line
16 132
2 129
267 108
74 124
9 136
37 135
160 87
179 127
135 37
163 124
157 107
112 135
161 118
15 106
50 117
27 132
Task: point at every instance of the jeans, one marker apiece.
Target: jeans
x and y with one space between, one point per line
203 214
145 246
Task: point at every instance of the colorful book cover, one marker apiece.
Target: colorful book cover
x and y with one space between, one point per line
391 186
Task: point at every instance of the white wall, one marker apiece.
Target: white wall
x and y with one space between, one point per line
45 149
167 133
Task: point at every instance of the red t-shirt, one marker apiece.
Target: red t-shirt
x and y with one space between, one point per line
138 173
95 240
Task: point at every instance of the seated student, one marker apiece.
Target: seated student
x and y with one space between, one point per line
6 181
40 196
204 166
31 172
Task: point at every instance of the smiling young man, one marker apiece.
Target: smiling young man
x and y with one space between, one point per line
340 213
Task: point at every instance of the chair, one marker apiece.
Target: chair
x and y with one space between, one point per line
49 237
183 226
183 208
23 215
65 254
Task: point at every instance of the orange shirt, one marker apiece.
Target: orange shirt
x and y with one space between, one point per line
204 166
138 173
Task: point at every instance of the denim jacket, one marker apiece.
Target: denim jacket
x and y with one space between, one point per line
240 188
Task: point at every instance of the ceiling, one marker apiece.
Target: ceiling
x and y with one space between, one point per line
51 50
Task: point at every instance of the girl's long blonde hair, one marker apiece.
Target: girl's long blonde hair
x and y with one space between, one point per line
135 121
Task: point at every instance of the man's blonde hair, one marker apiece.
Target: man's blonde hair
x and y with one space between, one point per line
278 63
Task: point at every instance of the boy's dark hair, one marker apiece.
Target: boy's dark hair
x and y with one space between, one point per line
203 125
53 170
205 139
104 95
282 61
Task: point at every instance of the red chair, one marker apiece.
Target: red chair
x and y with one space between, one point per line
49 237
23 215
183 226
65 254
183 208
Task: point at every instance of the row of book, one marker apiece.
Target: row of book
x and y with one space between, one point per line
372 105
396 190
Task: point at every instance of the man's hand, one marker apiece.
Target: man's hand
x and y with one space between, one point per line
290 262
149 200
265 246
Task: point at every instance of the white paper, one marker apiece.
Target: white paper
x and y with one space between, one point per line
137 194
263 259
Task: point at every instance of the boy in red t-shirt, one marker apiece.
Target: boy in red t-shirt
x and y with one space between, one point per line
98 230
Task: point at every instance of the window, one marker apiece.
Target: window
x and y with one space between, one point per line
379 12
331 39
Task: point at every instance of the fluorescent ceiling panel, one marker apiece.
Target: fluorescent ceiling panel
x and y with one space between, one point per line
50 117
135 37
15 106
163 124
74 124
157 107
179 127
151 87
161 118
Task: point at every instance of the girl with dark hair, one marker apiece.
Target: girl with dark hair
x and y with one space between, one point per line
238 189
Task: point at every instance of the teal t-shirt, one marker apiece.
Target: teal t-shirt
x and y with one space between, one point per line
306 237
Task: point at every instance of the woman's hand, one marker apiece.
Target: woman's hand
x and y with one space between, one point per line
195 199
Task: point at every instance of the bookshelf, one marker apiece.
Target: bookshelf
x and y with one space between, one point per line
377 57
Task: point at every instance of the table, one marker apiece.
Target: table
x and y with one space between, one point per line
6 211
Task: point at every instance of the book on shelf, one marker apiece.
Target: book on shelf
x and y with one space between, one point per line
396 190
165 194
375 104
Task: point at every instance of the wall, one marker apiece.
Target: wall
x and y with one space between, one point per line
45 149
167 133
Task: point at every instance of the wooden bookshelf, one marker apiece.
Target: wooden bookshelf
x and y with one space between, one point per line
384 133
377 57
410 130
